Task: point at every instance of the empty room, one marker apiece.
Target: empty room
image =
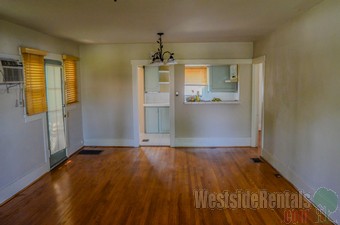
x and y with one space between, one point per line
169 112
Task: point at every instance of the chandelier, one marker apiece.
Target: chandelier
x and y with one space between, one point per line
159 57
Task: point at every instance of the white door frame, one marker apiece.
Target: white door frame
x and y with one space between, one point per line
255 105
136 138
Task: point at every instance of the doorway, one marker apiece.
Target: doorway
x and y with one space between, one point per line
56 112
258 103
154 105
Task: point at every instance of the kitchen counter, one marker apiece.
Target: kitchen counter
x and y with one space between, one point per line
212 103
157 105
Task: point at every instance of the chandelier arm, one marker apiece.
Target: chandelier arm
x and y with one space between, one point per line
170 53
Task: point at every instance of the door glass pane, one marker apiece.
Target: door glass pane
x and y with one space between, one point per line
56 129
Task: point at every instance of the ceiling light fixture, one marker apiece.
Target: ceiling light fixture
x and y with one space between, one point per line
158 58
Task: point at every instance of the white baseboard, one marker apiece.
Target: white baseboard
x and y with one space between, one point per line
73 150
109 142
288 173
12 189
211 142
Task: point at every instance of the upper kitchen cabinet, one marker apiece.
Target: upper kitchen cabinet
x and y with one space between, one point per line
156 79
222 79
151 76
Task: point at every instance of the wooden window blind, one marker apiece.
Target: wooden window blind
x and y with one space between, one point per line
35 84
70 71
196 75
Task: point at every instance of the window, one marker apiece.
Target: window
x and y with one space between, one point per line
196 75
35 85
195 82
211 83
71 87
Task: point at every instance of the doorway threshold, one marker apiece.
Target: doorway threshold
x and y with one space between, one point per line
154 139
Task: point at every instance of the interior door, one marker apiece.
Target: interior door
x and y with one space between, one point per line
56 112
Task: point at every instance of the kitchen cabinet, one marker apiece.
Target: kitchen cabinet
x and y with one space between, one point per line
156 79
164 121
219 79
157 120
151 79
151 120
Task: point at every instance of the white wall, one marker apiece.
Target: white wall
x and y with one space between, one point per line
23 153
302 110
107 85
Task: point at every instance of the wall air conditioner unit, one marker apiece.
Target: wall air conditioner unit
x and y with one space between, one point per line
11 71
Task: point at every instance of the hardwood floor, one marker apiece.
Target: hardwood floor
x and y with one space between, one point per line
150 185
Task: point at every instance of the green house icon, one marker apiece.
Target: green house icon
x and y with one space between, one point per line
326 199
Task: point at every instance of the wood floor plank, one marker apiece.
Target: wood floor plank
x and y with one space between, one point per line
149 185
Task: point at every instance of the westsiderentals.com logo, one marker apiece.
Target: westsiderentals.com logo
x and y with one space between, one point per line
296 205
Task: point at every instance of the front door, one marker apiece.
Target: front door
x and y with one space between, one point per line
56 111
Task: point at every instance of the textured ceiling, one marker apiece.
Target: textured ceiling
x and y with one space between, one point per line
136 21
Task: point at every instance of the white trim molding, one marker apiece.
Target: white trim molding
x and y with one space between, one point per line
215 61
212 142
109 142
172 106
135 64
258 60
255 103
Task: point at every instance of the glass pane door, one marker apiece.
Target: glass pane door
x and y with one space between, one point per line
55 114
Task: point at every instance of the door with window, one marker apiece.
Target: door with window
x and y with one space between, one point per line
56 111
